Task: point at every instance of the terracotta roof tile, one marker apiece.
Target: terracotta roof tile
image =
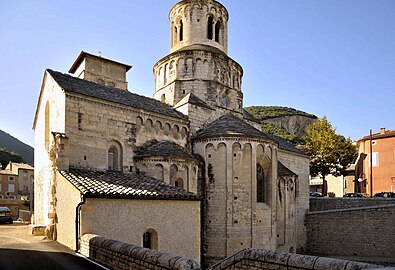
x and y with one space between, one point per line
105 184
91 89
162 149
229 125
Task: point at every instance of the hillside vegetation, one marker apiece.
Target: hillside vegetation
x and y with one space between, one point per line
15 146
265 112
266 115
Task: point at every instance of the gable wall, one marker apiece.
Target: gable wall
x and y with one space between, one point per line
43 170
127 220
104 122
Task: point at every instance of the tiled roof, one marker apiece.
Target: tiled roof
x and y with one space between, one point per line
104 184
22 166
386 134
162 149
284 171
229 126
91 89
7 172
193 99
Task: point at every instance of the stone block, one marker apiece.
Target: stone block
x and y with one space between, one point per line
37 230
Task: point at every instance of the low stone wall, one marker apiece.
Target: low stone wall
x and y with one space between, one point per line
15 206
354 232
325 203
118 255
265 259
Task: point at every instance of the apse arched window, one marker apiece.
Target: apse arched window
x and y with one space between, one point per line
217 31
114 157
150 239
210 28
260 183
181 31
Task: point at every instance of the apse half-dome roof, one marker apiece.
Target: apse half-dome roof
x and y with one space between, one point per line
164 149
229 125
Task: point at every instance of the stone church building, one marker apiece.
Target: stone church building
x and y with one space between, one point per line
186 172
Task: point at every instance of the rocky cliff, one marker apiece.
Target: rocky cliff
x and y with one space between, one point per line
288 123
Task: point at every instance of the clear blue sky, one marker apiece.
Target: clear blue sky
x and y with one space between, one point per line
325 57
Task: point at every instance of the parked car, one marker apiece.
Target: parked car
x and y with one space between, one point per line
315 194
356 194
5 215
387 194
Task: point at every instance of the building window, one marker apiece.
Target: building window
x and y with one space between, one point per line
375 159
210 28
260 183
150 239
11 188
10 178
147 240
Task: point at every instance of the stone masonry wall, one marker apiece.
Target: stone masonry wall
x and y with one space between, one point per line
362 232
118 255
299 165
324 204
255 259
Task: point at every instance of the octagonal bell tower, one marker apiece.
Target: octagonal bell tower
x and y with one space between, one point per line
198 68
198 22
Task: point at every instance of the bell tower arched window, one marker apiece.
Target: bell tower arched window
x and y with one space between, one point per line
217 31
181 31
210 28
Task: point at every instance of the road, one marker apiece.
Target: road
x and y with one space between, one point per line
20 250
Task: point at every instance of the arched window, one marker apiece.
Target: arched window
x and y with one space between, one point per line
181 31
114 157
165 73
210 28
47 129
150 239
260 183
217 31
179 183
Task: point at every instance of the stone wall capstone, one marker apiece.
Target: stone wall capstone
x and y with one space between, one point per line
326 203
118 255
255 259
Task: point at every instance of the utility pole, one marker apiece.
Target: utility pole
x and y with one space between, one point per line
371 165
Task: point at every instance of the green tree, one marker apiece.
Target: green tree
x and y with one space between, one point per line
329 152
7 156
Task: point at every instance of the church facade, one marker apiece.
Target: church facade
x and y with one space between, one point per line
187 172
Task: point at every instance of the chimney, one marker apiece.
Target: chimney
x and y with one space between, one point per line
382 130
100 70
